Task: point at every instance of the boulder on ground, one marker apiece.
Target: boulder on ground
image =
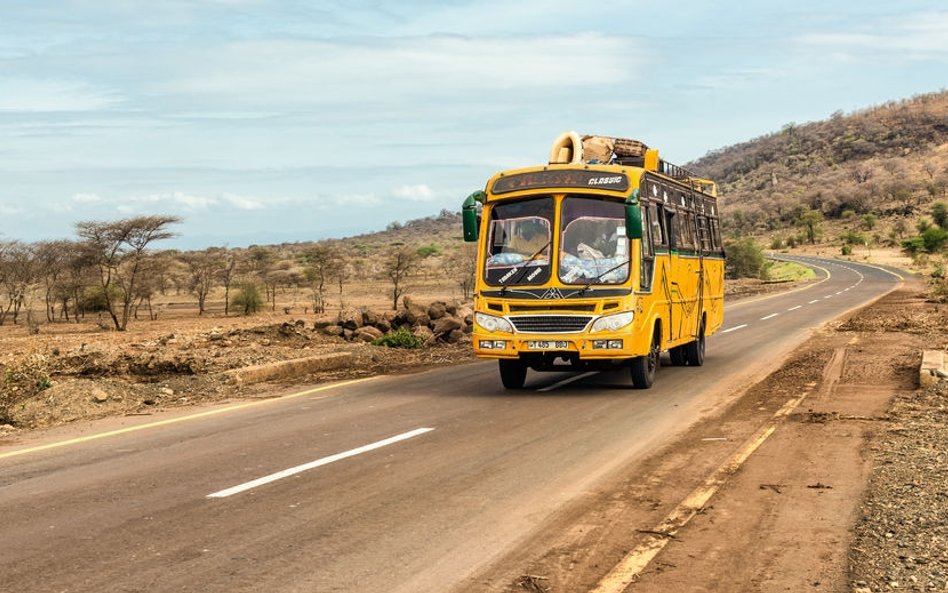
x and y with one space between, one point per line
446 325
454 336
367 334
350 318
332 330
437 310
466 313
424 333
415 312
370 317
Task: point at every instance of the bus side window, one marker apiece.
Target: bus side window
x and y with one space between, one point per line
657 225
715 235
704 234
648 252
692 239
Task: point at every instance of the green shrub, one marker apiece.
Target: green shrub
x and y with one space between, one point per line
745 259
93 300
247 298
913 245
847 249
400 338
428 250
934 239
777 243
940 214
853 238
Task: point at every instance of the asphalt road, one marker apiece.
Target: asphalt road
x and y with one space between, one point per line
399 484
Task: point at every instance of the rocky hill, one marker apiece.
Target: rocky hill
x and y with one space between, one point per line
888 161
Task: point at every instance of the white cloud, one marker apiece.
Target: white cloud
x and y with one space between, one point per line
190 202
86 198
356 200
415 193
243 202
48 95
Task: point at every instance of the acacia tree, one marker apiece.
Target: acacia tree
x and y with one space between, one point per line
226 274
203 267
119 249
152 281
397 266
51 261
810 220
461 266
17 274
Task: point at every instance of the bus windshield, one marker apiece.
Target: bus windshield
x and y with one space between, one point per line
520 242
593 244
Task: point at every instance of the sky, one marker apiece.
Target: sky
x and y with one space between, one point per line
268 121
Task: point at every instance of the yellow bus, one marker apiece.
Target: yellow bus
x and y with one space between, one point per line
602 259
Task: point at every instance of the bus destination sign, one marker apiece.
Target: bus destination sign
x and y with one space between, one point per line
572 178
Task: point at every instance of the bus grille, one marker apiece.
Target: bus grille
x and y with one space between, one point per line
550 324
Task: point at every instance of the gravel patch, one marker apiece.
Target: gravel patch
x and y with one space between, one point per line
901 535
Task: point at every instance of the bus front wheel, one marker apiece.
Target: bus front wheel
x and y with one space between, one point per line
513 373
643 368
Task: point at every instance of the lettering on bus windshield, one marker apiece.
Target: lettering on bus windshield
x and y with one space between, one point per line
561 178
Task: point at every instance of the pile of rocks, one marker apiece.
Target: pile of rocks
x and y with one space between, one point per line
439 321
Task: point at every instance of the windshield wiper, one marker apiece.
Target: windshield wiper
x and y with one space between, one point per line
599 277
522 268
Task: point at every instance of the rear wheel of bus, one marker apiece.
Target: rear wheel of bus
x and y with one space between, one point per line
513 373
694 351
643 368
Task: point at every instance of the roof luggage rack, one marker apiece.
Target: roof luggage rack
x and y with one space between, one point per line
571 148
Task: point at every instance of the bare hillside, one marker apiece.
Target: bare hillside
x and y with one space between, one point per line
890 161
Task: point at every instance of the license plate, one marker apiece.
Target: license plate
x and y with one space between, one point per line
547 344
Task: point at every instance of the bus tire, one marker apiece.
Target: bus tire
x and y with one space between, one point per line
643 368
513 373
694 351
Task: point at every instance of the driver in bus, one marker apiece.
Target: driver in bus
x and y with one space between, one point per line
530 237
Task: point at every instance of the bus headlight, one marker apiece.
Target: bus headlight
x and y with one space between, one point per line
612 323
493 324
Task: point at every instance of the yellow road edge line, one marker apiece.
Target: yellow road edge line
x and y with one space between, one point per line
880 268
626 571
159 423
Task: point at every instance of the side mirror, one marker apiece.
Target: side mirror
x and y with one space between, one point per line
469 218
633 220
